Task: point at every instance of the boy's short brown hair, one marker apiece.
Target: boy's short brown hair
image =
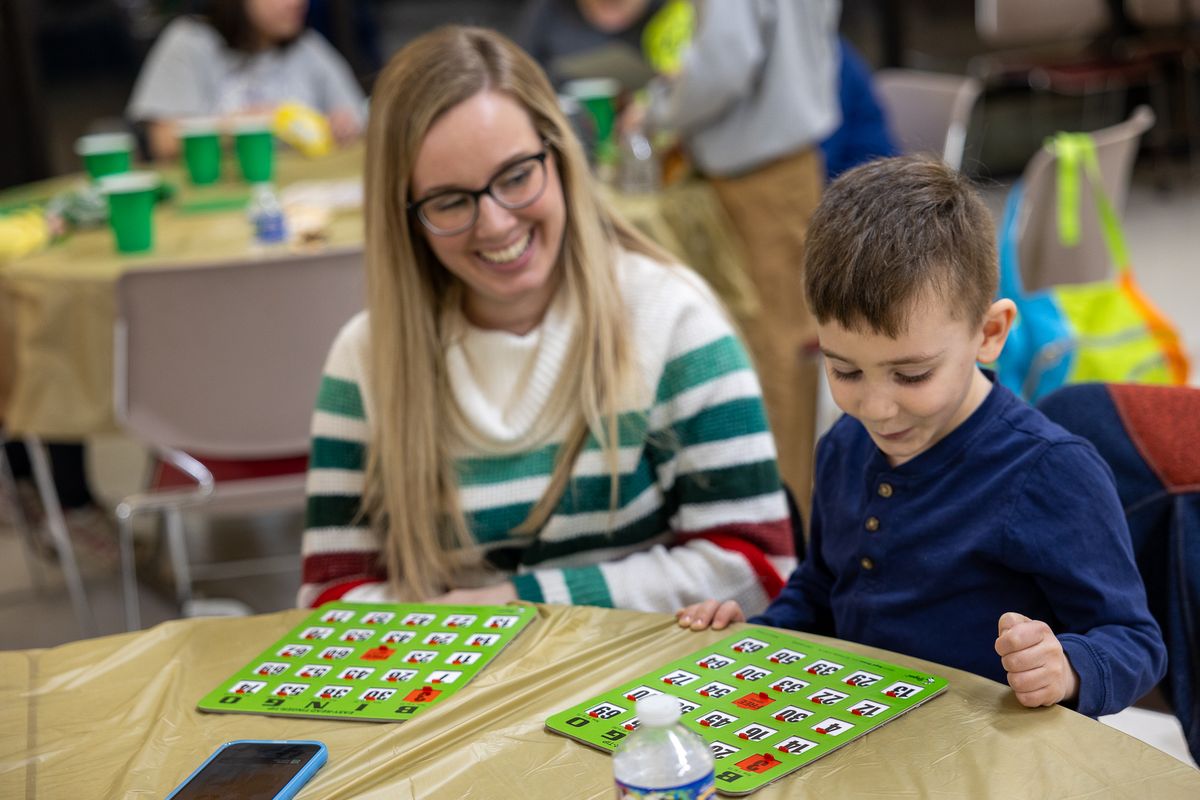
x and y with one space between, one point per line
888 231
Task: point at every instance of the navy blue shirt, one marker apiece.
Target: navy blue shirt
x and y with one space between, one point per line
1008 512
863 134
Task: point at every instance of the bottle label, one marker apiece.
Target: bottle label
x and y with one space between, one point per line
703 789
270 228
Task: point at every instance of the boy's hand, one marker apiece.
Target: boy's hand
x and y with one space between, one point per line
710 613
1038 670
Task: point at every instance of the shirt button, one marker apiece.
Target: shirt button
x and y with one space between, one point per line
867 563
872 524
885 490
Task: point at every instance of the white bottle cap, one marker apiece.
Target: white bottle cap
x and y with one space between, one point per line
658 711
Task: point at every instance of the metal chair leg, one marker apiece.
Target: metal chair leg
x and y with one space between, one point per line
8 486
129 586
57 525
177 547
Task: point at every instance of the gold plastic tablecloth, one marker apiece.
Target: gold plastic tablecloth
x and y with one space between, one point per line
115 717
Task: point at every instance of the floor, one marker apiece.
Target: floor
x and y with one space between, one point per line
1162 238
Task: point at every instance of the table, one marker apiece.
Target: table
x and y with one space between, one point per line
57 306
114 717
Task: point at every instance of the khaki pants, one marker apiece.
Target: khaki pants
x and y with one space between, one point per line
770 209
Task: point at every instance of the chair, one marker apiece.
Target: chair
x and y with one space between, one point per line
1044 260
1170 33
223 362
1026 22
928 112
1076 48
1150 438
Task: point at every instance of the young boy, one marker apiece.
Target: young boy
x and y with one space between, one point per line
945 508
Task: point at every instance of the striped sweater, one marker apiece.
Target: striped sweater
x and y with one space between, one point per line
700 510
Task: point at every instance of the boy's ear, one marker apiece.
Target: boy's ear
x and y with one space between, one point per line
997 322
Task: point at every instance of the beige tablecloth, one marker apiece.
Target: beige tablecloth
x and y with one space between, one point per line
115 717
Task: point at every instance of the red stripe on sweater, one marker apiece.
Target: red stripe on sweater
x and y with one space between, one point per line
325 567
774 538
339 591
768 577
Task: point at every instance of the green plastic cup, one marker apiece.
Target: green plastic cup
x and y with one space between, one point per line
599 97
105 153
255 147
201 139
131 197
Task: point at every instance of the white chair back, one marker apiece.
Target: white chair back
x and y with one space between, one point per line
225 360
1014 23
1162 13
928 112
1044 260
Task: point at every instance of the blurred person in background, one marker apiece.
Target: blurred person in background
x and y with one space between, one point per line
863 134
244 56
755 95
557 32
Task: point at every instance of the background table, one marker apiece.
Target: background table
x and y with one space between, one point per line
115 717
57 306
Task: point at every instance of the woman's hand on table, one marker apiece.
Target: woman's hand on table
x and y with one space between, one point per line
1039 672
710 614
498 594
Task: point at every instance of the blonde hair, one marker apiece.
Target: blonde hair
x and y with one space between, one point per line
411 494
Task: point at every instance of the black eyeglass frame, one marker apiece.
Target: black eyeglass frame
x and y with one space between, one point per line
477 194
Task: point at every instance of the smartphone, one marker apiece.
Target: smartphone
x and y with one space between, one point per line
253 769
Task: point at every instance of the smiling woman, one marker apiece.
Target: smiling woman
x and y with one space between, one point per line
538 403
501 241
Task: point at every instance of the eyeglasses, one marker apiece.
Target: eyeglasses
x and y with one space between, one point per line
518 185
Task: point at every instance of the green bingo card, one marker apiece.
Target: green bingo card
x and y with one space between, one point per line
370 662
766 703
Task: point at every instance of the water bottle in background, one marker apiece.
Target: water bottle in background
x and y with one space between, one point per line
663 759
266 215
638 168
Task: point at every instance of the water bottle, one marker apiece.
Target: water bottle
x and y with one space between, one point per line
638 170
663 759
266 215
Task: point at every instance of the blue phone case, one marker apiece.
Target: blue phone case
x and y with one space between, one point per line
293 786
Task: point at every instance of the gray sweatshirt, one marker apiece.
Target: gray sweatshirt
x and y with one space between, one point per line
190 72
758 83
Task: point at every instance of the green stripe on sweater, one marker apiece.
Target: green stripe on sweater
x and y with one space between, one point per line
336 454
501 469
484 470
728 420
495 524
740 417
701 365
587 587
332 511
728 483
590 493
528 588
636 532
341 397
